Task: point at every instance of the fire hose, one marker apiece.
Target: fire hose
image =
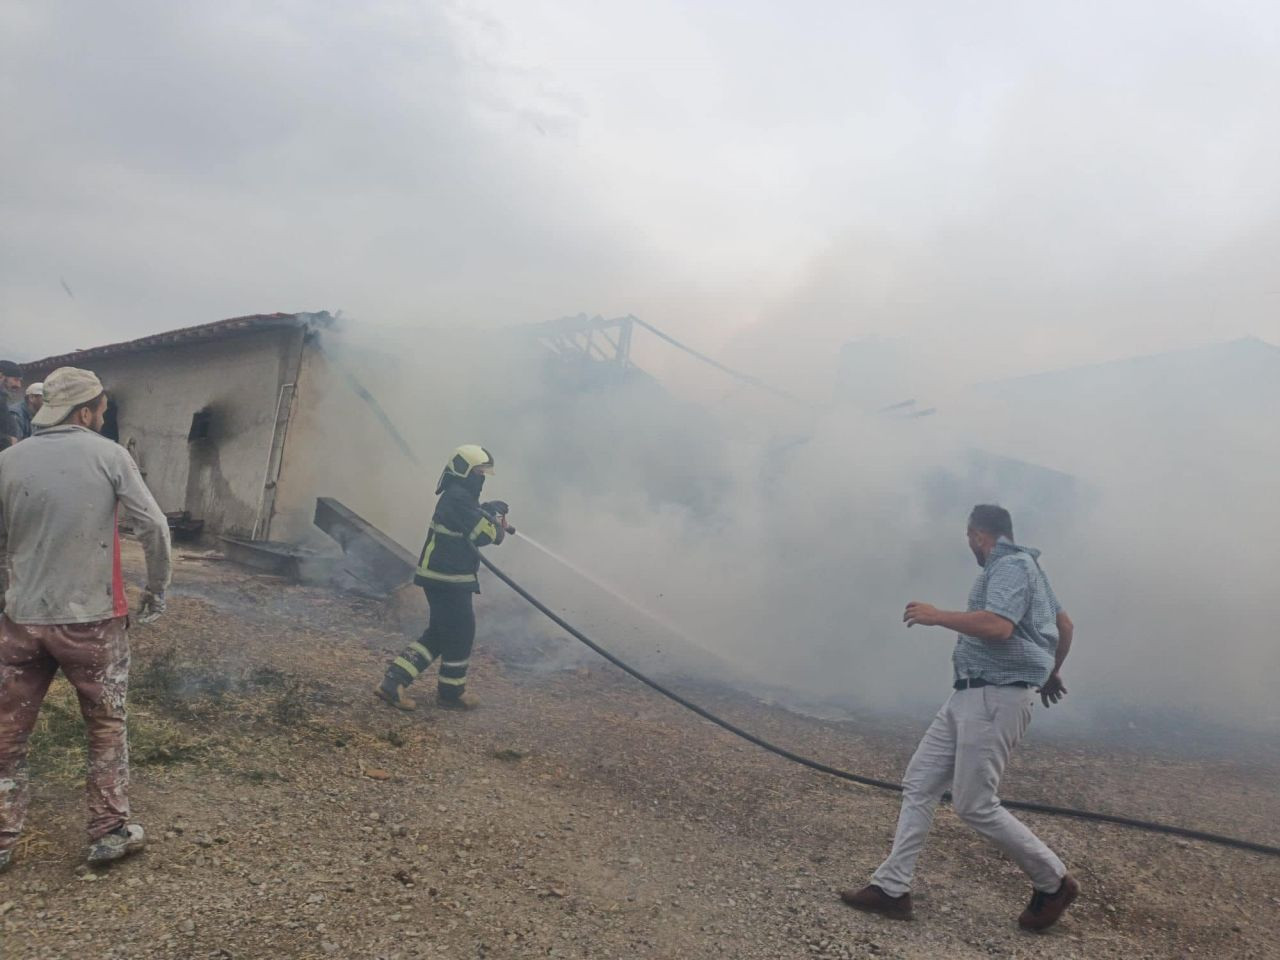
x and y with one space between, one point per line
1044 808
1051 810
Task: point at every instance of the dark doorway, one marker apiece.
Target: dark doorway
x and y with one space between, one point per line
201 421
111 420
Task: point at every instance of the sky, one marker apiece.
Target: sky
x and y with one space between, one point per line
1013 186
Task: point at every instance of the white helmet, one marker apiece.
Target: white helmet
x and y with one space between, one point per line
467 459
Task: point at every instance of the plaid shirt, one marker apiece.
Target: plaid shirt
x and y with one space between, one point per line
1013 586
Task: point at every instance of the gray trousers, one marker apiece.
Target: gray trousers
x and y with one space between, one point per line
966 748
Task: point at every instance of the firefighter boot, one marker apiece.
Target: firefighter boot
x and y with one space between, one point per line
392 692
456 701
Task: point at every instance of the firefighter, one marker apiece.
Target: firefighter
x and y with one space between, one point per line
447 574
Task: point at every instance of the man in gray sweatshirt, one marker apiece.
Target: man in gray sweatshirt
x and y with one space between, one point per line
64 603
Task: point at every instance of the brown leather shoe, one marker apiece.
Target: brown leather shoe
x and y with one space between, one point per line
872 899
1045 908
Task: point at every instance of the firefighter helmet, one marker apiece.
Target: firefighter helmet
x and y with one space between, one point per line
468 459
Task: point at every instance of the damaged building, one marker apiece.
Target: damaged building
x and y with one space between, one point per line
238 425
206 413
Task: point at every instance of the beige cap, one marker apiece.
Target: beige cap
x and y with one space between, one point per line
64 390
35 390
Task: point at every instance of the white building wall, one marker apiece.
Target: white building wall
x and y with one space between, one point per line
238 381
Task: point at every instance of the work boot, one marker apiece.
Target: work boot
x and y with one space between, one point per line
872 899
1045 908
460 702
393 693
120 842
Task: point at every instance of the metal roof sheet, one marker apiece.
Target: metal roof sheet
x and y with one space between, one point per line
218 330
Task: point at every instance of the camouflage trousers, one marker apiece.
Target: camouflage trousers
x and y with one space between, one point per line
95 658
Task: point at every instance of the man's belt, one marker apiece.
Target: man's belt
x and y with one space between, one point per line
967 684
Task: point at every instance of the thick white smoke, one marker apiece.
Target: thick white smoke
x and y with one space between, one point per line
786 538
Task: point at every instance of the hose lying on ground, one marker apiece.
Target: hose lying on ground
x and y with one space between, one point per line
1049 809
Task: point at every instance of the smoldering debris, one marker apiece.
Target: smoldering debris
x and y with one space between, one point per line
786 543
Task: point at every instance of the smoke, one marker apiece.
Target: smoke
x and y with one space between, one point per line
864 204
853 168
782 540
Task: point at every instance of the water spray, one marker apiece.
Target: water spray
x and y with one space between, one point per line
607 588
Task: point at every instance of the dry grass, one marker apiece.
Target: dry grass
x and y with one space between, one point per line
58 741
171 704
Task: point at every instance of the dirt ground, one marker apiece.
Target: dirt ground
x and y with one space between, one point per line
575 814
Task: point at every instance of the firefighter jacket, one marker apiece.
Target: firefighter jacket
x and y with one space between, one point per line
458 526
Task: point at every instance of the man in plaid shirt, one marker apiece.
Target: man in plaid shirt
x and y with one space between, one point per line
1012 641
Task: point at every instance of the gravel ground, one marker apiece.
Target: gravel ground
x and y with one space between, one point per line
575 814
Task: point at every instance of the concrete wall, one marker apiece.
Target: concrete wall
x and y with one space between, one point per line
237 380
335 447
309 449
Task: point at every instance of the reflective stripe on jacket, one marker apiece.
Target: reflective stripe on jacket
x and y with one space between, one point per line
458 526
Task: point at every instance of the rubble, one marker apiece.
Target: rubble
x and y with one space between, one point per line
373 563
